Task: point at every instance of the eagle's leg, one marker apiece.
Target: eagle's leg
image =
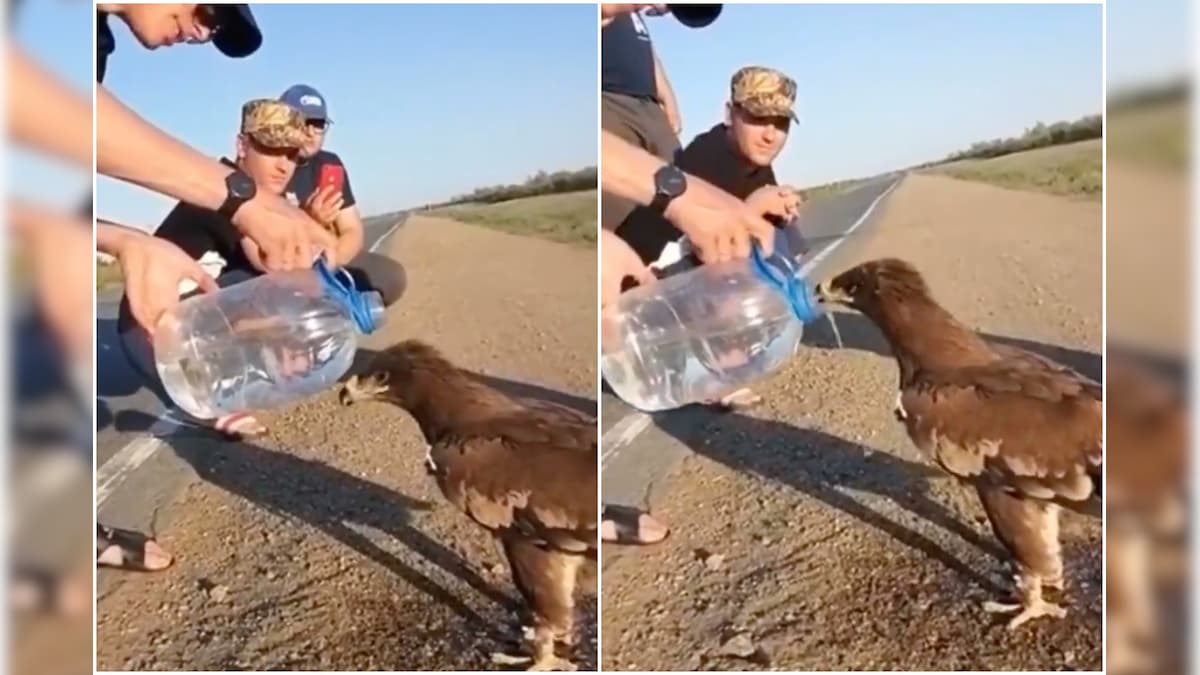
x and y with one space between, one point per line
358 388
1029 530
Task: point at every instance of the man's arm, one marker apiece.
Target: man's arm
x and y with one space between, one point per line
717 223
133 150
44 113
667 96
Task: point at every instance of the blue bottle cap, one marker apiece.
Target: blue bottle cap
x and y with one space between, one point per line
779 271
365 308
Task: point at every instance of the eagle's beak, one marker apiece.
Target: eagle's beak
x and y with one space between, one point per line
829 295
362 389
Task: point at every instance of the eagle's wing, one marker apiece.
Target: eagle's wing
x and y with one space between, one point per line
517 475
1034 431
1031 362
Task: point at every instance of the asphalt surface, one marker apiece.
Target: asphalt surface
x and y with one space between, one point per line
132 477
637 452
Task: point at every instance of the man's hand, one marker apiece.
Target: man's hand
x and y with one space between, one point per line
775 200
718 224
255 257
617 262
324 205
153 269
608 12
286 237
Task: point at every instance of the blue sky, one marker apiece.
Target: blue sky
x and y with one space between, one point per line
862 113
428 101
883 87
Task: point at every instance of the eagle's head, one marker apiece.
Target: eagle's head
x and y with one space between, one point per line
870 286
401 374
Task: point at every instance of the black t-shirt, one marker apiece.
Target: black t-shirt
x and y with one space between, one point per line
304 181
105 44
198 230
710 156
627 58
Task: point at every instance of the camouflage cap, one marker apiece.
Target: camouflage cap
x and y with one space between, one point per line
765 92
273 123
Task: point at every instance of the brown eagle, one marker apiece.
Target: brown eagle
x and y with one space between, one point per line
524 470
1026 432
1145 513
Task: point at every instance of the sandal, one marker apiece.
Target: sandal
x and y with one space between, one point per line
37 590
629 525
129 550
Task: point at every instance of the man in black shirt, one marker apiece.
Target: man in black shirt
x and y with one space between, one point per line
268 149
734 155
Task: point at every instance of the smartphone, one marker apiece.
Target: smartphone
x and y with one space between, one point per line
333 175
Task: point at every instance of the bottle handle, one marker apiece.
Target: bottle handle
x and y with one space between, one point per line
779 271
340 286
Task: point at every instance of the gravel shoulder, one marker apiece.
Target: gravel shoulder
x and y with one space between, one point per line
808 534
325 546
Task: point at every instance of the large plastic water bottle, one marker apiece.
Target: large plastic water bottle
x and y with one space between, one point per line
263 343
706 332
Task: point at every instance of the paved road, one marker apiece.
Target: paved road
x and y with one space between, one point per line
132 477
636 453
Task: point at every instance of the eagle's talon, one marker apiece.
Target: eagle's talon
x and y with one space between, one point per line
994 607
1035 610
505 659
552 662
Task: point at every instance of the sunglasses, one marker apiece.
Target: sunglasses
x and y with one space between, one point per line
320 125
292 154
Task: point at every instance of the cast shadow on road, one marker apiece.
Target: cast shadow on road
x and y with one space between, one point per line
333 501
821 466
330 500
857 332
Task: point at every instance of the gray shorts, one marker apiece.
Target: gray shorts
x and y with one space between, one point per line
643 123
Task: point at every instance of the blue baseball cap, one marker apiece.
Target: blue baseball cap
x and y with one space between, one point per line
307 100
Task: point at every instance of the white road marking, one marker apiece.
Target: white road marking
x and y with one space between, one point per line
626 431
113 473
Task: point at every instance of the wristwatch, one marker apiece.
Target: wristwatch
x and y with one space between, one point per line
669 183
239 189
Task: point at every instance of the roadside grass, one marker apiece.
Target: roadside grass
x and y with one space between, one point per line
568 218
1156 134
1071 170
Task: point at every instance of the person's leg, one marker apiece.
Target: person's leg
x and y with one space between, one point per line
377 272
619 116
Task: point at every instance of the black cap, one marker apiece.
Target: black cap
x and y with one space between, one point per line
696 16
238 33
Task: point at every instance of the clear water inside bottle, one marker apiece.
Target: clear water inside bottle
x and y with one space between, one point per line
257 345
696 337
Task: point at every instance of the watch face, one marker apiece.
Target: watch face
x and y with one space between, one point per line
240 185
671 181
